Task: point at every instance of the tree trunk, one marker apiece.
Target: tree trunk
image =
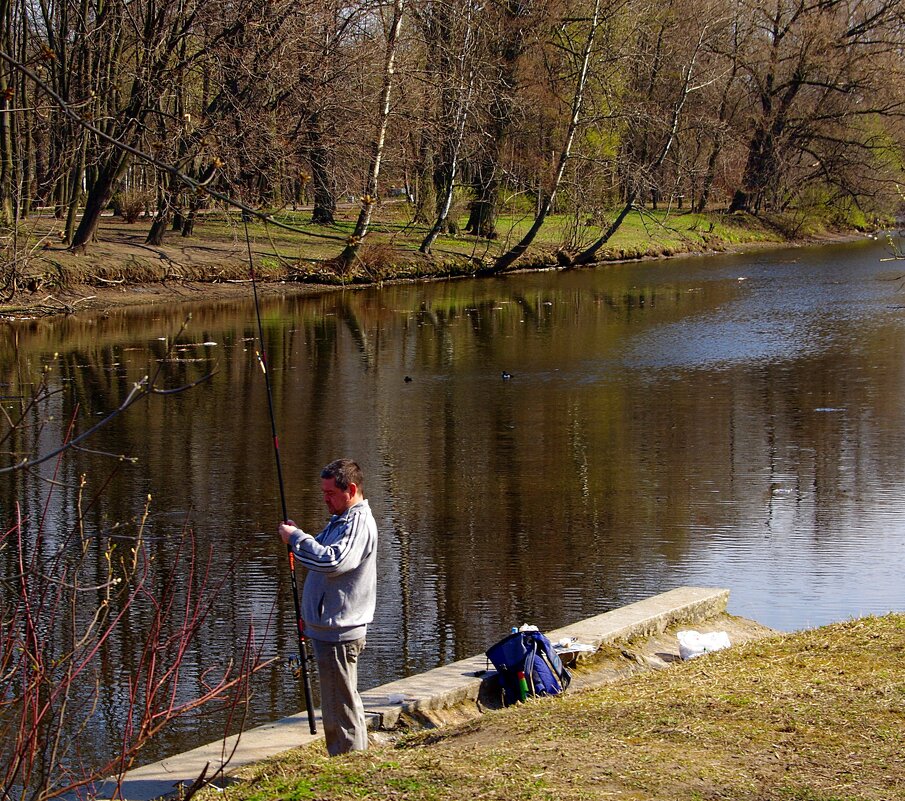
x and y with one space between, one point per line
441 224
483 210
514 253
324 212
425 199
99 196
166 200
709 176
486 177
460 101
370 197
758 168
7 157
60 194
28 160
7 211
158 229
188 225
75 190
161 216
443 179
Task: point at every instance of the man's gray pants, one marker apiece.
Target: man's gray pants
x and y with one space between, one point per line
345 728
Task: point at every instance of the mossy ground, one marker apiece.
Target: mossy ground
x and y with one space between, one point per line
812 716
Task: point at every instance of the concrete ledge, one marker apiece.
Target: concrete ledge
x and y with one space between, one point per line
440 688
648 617
459 682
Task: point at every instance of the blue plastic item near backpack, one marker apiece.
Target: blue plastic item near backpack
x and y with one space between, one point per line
529 652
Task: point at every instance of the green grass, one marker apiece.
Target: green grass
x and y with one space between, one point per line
393 242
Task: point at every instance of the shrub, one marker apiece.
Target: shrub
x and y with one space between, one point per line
131 203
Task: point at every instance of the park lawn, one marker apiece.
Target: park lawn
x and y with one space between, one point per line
643 234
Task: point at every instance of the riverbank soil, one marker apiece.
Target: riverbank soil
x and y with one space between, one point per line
816 715
45 277
121 270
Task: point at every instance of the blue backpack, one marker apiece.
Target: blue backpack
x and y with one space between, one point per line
531 654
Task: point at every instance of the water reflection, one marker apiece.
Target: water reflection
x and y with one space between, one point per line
665 424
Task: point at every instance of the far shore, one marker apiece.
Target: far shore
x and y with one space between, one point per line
120 270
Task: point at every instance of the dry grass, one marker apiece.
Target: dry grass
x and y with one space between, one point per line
813 716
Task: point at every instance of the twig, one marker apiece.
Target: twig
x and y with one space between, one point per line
121 457
56 300
140 389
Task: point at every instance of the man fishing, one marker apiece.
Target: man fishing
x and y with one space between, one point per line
338 599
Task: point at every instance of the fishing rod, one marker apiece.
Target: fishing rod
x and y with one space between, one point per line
247 212
300 624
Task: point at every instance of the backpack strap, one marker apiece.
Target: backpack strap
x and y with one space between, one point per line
553 659
531 655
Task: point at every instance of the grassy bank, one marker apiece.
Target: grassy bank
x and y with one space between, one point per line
216 252
811 716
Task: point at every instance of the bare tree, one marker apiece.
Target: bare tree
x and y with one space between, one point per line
820 76
507 38
66 593
133 51
800 103
452 44
327 60
657 146
583 60
369 198
63 604
225 83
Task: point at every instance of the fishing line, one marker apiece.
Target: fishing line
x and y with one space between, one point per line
300 625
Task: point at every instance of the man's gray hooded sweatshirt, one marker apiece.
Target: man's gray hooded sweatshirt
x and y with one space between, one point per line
341 585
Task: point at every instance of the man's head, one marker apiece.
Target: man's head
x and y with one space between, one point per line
341 484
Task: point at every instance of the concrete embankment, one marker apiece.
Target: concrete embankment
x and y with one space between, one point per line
445 692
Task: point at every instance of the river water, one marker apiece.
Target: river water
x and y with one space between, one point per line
732 421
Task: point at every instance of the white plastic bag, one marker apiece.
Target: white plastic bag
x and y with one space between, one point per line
693 643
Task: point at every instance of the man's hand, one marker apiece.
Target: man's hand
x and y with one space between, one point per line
286 530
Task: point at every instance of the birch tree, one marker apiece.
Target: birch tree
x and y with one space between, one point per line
584 62
369 198
639 172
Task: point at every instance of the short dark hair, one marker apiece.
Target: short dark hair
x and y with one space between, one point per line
344 472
